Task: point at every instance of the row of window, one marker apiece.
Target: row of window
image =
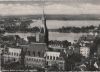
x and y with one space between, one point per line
33 59
14 54
34 53
52 57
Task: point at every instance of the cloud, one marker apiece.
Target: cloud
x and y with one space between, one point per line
23 9
73 9
18 9
64 1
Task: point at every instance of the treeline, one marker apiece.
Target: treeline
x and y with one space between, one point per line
76 29
17 25
63 43
21 29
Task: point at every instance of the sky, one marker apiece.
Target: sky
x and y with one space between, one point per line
26 7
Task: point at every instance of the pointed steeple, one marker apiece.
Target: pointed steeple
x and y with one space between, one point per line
42 37
43 23
44 29
43 19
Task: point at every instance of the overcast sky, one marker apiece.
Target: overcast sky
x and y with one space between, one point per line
22 7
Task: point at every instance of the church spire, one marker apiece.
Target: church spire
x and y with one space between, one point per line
44 27
43 18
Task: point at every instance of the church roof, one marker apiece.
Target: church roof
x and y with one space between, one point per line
34 49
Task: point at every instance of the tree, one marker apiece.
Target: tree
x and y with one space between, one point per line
94 46
71 60
65 43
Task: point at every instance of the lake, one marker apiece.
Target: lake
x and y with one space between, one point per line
62 36
52 24
53 36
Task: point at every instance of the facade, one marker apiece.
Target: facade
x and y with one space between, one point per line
1 52
98 50
33 61
53 58
12 55
34 54
85 51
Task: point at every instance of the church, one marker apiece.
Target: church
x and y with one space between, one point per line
33 53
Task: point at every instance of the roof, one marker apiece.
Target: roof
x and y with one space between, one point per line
18 50
50 53
35 49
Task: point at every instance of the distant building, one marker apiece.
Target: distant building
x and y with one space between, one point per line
72 49
89 38
98 50
1 51
54 58
94 32
85 51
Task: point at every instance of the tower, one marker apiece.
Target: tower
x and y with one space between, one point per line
45 28
42 36
44 31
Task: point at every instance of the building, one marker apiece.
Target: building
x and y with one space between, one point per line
43 35
85 51
86 39
34 51
98 50
1 58
12 55
34 54
53 58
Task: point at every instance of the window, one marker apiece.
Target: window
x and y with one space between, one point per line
17 54
33 53
47 57
32 59
27 58
39 60
29 53
57 57
51 57
39 54
14 54
54 58
36 60
14 59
